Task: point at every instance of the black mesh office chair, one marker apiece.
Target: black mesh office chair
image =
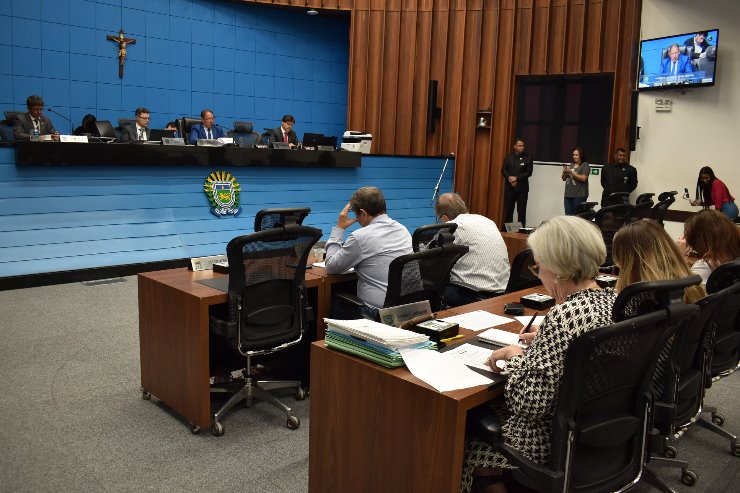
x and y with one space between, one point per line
266 310
278 217
603 409
585 210
665 200
244 134
725 348
617 198
521 277
423 235
413 277
679 379
609 220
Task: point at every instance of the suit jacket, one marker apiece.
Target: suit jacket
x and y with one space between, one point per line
690 42
519 165
277 136
684 65
128 133
199 132
23 127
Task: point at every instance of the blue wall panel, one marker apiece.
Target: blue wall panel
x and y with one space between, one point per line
66 218
209 48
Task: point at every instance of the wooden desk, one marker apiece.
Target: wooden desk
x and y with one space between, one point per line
328 280
173 338
377 429
515 243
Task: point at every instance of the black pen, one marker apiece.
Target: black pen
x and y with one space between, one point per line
529 325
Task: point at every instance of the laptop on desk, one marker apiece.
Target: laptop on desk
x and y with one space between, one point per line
156 135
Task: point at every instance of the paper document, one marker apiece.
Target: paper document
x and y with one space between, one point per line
444 374
323 266
524 320
478 320
501 338
470 355
370 330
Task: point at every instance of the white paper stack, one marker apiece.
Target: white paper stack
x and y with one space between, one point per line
501 338
385 335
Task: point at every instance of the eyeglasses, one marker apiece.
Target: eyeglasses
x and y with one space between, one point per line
534 269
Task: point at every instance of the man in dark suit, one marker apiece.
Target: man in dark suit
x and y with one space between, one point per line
206 129
33 123
516 168
699 44
619 176
285 133
675 63
139 130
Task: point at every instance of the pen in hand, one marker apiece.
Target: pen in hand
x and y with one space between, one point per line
529 326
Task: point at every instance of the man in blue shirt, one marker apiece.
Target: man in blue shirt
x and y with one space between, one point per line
369 249
206 129
676 63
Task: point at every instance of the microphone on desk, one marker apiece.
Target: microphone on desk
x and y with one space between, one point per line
444 167
71 125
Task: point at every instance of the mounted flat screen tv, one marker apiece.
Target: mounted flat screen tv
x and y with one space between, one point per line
680 60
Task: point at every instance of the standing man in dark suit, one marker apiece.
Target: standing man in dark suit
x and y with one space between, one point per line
619 176
207 128
139 130
517 168
27 123
285 133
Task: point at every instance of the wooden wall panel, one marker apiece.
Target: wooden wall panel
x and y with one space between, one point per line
476 49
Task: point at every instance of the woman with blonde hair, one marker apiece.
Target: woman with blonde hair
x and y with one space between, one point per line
709 240
644 252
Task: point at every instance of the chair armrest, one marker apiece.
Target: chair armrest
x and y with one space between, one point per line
351 299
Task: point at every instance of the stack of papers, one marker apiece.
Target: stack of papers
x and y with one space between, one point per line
501 338
478 320
374 341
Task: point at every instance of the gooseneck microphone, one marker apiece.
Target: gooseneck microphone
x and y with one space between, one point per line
444 168
71 125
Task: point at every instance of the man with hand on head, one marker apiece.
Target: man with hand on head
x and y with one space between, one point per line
33 123
207 128
369 249
484 271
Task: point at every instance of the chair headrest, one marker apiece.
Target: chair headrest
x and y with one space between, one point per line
244 127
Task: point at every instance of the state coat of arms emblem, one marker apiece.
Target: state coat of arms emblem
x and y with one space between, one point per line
223 191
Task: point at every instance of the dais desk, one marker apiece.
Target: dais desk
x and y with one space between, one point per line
378 429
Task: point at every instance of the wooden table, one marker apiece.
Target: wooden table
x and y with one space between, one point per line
377 429
515 243
173 338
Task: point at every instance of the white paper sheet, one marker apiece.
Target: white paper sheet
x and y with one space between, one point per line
478 320
524 320
444 374
470 355
323 266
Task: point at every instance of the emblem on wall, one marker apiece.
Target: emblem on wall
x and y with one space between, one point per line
223 191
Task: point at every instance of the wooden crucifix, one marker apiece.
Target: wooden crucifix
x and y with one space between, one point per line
122 42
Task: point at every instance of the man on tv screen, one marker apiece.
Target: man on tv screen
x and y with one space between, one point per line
699 44
676 63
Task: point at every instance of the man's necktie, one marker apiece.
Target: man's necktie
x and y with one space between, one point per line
141 134
209 135
285 137
36 125
673 71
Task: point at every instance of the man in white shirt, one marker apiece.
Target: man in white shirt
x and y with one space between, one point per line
483 272
369 249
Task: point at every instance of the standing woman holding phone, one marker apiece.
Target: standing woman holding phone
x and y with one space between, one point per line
710 190
575 177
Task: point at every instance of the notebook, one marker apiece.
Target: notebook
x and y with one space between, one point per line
501 338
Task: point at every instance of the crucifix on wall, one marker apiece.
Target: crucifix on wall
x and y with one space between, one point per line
122 42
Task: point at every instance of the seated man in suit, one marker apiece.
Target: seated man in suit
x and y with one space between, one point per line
206 129
484 271
676 63
140 130
285 133
369 249
33 123
699 44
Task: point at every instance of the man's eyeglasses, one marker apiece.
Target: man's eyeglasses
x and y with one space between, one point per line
534 269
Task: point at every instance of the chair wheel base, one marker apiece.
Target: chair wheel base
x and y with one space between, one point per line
217 429
688 477
293 422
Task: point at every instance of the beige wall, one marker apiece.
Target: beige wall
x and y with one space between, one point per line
702 130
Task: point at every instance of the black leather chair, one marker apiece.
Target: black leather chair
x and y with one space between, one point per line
184 125
585 210
521 277
266 311
725 348
423 235
645 197
278 217
599 428
413 277
244 134
11 116
641 211
609 220
665 200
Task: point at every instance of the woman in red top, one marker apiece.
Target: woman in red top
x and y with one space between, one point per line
710 190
